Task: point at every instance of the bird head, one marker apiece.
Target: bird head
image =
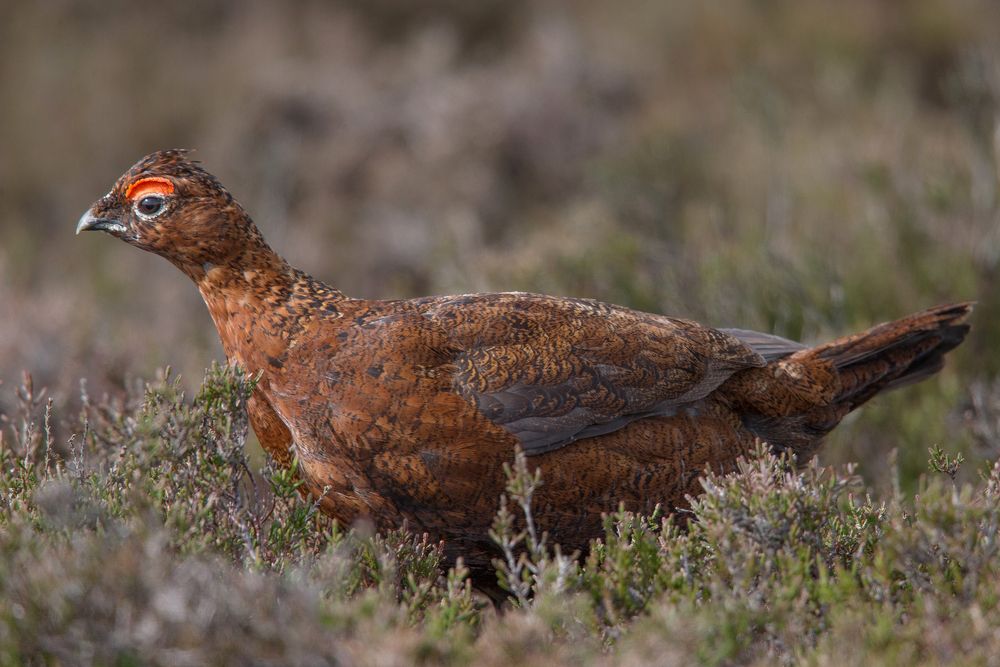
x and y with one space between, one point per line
169 205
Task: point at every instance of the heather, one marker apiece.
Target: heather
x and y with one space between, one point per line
149 538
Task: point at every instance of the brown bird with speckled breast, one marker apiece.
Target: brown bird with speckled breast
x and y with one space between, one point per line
407 410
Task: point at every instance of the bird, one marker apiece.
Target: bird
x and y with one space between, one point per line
406 412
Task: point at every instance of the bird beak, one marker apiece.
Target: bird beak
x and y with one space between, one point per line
89 223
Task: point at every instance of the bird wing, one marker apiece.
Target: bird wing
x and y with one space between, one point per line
769 346
553 370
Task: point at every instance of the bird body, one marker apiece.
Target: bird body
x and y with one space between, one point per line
407 410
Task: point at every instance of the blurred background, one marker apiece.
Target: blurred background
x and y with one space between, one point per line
804 167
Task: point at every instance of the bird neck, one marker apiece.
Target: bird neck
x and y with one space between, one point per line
259 304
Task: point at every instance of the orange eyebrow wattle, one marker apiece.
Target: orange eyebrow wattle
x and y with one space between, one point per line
149 186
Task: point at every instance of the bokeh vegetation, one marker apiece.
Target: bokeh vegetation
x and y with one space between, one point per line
804 168
801 167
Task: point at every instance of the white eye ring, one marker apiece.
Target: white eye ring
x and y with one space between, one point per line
150 206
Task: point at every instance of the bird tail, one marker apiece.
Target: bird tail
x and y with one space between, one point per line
894 354
798 398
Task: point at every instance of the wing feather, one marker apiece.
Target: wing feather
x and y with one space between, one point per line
551 370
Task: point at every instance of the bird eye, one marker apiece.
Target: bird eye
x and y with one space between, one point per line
149 206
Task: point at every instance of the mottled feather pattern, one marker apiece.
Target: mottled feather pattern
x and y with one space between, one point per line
407 410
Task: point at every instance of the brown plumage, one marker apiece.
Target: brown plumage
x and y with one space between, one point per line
407 410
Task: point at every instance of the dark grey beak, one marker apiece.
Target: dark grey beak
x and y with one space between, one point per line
89 223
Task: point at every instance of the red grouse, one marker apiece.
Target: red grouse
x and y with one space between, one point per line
408 410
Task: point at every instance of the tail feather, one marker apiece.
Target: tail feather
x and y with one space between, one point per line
802 394
894 354
933 321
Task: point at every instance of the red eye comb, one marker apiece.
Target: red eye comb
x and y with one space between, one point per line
149 186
